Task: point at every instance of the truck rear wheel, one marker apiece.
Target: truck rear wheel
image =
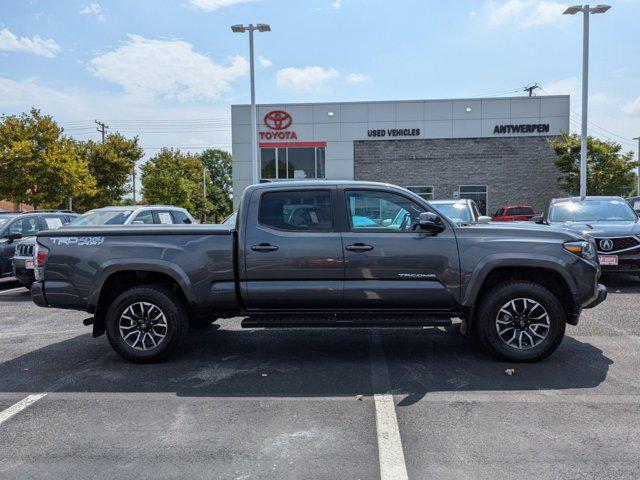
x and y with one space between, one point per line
520 321
146 323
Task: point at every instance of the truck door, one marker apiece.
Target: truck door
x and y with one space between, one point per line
389 263
293 252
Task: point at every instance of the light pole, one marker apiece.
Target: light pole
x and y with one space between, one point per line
261 27
586 11
638 155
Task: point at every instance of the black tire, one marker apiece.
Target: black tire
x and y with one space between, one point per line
499 296
175 313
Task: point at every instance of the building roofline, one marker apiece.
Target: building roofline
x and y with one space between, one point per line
297 104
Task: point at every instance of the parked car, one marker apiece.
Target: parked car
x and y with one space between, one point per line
610 221
517 285
15 226
462 211
135 215
635 203
230 220
514 213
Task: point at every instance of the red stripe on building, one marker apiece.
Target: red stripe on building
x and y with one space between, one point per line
291 144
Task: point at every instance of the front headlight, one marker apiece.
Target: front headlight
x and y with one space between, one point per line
583 249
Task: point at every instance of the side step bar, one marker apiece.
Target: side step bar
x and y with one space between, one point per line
344 320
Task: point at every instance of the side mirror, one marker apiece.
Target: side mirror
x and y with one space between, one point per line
483 219
430 222
538 219
12 237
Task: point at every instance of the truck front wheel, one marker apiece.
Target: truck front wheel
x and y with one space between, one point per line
144 324
520 321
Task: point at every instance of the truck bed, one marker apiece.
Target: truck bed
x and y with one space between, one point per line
199 258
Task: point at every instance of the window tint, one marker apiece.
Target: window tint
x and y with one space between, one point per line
512 211
26 226
298 211
180 217
526 211
382 211
500 212
144 217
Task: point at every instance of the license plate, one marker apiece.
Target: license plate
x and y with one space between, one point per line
608 259
28 264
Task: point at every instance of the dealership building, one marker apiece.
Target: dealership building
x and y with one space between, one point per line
493 150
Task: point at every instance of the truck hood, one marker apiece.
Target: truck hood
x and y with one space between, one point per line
526 229
602 229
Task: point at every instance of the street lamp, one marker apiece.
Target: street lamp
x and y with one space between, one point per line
586 10
261 27
638 155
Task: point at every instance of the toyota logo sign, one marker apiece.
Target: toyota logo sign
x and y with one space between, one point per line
606 244
278 120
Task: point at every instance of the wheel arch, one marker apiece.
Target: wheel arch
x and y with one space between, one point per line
548 272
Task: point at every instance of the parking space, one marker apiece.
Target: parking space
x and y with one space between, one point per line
309 403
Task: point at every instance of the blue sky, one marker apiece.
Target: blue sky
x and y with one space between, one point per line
168 70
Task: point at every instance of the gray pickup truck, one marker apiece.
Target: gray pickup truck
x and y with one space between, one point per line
320 253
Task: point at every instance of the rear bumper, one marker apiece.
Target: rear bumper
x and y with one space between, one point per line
37 295
600 296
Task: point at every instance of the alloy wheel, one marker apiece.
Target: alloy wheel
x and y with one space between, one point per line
522 323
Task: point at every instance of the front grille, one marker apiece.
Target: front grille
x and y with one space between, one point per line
24 251
621 243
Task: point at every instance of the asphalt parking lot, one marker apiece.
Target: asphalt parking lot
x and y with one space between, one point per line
356 404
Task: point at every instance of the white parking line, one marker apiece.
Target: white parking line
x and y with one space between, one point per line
390 453
21 405
13 290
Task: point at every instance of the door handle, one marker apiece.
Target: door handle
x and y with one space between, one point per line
359 247
264 247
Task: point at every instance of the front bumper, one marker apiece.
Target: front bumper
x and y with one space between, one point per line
600 296
24 275
629 264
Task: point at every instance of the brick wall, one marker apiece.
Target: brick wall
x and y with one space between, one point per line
517 170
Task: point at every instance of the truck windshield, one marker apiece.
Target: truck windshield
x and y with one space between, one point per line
592 211
458 212
102 217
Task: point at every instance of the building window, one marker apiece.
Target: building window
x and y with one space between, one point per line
424 191
292 163
477 193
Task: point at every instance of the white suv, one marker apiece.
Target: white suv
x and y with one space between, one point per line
135 215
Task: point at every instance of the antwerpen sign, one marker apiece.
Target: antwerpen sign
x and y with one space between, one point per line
522 128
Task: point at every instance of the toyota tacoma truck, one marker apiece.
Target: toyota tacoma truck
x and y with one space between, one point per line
322 253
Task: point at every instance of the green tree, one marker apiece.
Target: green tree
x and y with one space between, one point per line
111 164
40 166
175 178
609 172
218 164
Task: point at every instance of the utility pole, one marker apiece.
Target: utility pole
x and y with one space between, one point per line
586 11
102 128
638 156
204 189
133 174
531 88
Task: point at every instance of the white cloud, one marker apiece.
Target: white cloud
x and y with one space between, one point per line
35 45
357 78
603 99
306 79
632 108
93 9
336 4
265 62
211 5
148 69
525 13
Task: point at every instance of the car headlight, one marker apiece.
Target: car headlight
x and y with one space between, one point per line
583 249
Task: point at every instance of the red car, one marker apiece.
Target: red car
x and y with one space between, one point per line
513 213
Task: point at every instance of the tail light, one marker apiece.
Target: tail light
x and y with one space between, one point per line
40 253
